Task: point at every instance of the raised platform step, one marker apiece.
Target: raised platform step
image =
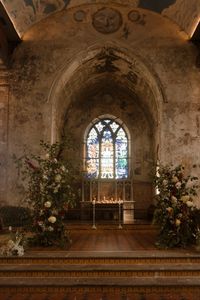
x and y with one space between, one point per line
147 275
106 270
96 282
51 274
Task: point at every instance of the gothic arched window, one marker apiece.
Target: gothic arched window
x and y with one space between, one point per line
107 150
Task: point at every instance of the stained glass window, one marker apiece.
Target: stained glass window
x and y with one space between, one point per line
107 150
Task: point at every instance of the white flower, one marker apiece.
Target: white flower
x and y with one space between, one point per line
47 204
174 199
165 182
19 250
185 198
169 209
55 160
52 219
50 228
177 222
174 179
189 203
41 223
11 244
45 177
41 212
58 178
47 156
63 168
178 185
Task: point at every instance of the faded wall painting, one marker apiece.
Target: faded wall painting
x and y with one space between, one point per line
24 13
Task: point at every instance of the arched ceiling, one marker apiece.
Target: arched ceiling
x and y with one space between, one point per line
25 13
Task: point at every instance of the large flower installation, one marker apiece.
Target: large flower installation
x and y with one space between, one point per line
51 189
176 211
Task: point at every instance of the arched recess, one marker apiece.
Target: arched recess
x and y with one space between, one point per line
112 73
117 63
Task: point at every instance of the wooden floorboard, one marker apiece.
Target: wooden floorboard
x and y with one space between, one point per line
112 240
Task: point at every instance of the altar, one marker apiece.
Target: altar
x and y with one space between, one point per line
108 201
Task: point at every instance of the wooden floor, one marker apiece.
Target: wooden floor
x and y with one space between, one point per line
106 239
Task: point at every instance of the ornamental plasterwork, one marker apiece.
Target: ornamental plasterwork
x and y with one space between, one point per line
130 3
107 20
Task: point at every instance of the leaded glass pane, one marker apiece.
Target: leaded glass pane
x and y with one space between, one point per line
107 155
92 136
107 121
121 154
121 165
99 126
92 168
92 154
114 126
110 139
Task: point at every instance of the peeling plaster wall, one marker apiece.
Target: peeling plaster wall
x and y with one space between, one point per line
167 130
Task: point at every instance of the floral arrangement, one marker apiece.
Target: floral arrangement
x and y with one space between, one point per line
50 189
14 246
175 211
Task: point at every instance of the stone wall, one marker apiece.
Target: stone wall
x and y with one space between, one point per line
87 61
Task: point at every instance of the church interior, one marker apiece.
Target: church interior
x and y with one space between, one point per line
120 78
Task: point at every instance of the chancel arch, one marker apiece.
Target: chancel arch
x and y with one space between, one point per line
107 82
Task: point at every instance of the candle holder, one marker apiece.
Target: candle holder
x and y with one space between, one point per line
93 215
120 225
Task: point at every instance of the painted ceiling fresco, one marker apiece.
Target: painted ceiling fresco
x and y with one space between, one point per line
25 13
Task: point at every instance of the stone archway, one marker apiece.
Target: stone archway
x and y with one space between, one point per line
98 80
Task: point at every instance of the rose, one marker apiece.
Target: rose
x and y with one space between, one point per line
174 179
177 222
178 185
189 203
47 204
52 219
185 198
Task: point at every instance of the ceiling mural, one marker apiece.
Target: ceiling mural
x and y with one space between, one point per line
25 13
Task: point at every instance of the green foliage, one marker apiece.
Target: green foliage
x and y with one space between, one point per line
175 211
51 187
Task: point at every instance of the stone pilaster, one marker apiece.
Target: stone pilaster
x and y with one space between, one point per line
4 107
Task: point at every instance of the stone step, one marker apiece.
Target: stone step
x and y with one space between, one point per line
102 282
107 270
103 258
